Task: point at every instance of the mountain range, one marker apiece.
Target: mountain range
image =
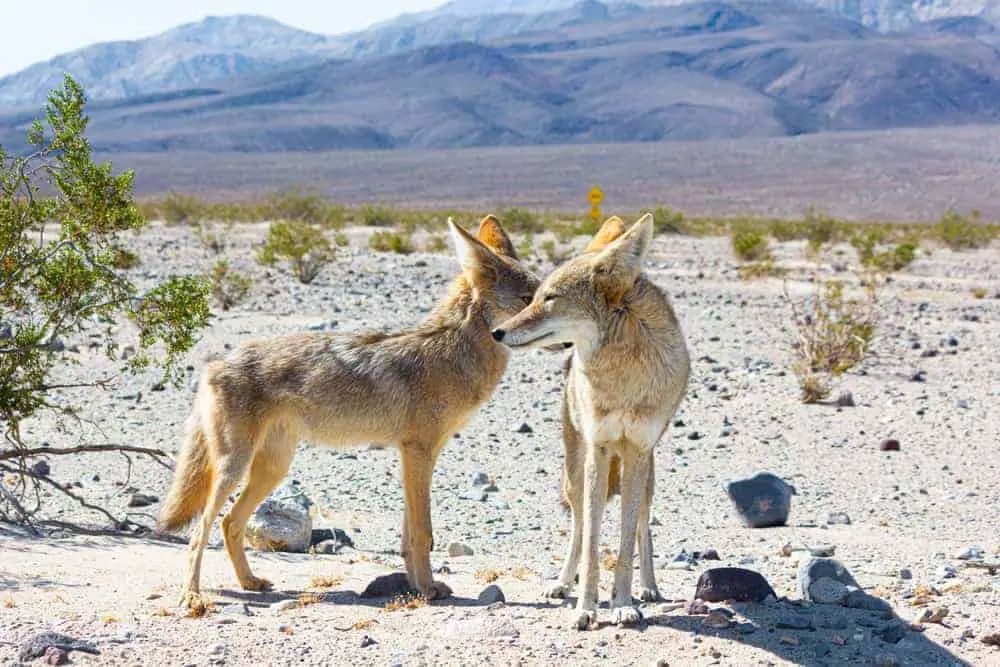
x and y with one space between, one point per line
527 72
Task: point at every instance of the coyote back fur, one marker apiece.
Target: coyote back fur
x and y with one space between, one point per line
413 389
624 381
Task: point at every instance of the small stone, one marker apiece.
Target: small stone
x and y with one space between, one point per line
56 656
283 605
477 493
946 572
696 608
823 551
827 591
217 649
971 553
793 621
717 620
367 641
280 524
821 568
933 615
919 376
480 479
238 609
838 519
387 586
905 574
491 594
732 583
456 549
889 445
41 468
763 500
142 500
962 404
524 428
845 400
709 554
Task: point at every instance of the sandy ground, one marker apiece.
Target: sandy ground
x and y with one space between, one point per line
914 510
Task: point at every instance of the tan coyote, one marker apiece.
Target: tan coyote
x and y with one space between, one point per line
627 375
414 389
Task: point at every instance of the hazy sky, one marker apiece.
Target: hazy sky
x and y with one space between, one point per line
33 31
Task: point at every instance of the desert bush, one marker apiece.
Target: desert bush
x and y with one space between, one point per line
960 232
893 259
177 209
786 230
526 247
213 238
437 244
833 334
520 221
820 230
765 268
980 292
553 253
304 207
667 221
340 240
57 285
229 287
303 246
401 244
372 215
749 244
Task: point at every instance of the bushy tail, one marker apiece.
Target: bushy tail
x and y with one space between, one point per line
192 477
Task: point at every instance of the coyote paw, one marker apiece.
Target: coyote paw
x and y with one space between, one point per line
194 602
584 619
650 594
558 592
256 584
437 591
626 616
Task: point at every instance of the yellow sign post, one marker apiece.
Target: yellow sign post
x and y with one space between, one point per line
596 197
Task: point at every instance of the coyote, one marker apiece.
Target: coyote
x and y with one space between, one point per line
626 376
414 389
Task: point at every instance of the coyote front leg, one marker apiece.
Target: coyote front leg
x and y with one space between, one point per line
648 591
418 466
595 494
634 480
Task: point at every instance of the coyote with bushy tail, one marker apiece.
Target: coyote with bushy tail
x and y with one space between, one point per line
414 389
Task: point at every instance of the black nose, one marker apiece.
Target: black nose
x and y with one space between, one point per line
498 335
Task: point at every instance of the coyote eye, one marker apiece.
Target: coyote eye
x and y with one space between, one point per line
550 297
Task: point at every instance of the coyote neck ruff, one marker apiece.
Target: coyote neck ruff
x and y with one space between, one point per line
413 389
619 379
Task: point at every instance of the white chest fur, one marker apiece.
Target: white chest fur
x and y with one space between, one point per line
609 420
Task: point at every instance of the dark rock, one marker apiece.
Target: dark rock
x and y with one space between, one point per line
335 535
919 376
708 554
845 399
858 599
491 594
367 641
793 621
732 583
36 646
889 445
821 568
41 468
142 500
56 656
763 500
524 428
480 479
388 586
839 519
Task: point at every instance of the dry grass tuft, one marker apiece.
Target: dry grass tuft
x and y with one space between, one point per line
488 576
163 611
200 607
609 561
324 581
404 602
309 598
9 602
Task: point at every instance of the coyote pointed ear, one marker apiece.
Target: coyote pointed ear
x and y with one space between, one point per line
620 262
612 228
476 259
495 238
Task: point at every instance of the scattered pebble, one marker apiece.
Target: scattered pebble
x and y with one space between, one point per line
491 595
732 583
889 445
457 549
763 500
142 500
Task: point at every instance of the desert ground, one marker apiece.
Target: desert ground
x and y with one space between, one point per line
913 513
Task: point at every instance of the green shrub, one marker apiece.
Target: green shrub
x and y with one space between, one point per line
229 287
820 230
749 245
177 209
964 233
787 230
123 258
54 286
667 221
520 221
303 246
340 240
377 216
310 208
401 244
437 244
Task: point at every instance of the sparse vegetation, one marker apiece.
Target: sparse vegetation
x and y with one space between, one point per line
980 292
340 240
401 244
834 333
54 286
123 259
325 581
520 221
303 246
820 231
960 232
404 602
765 268
437 244
212 238
377 216
229 287
553 253
749 244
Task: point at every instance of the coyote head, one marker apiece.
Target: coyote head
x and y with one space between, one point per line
576 298
491 266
